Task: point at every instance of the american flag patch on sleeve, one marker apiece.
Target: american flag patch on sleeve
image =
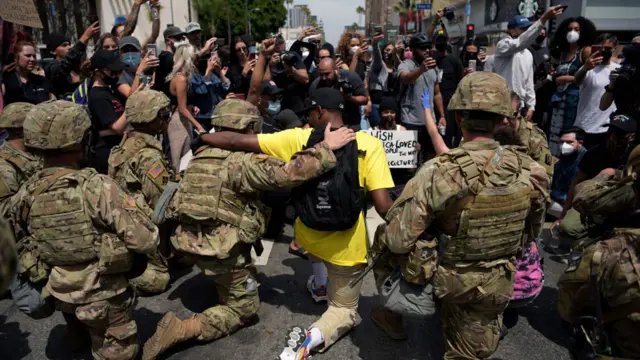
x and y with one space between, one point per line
156 170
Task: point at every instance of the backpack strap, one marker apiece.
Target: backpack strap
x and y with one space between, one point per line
44 186
13 158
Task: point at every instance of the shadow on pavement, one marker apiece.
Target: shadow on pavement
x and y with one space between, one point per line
542 315
59 347
13 341
197 293
147 321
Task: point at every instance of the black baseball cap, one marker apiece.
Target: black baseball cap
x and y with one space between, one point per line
326 98
173 31
268 87
623 122
105 59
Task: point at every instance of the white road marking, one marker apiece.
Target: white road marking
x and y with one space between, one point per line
264 258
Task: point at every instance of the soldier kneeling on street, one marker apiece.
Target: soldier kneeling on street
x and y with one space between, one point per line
139 166
79 228
220 218
599 293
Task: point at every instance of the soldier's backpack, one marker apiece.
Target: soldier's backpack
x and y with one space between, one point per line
334 200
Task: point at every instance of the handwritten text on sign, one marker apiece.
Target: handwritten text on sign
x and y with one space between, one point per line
400 147
21 12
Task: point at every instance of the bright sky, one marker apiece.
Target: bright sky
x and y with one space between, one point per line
335 14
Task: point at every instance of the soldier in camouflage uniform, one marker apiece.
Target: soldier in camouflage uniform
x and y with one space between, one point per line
221 217
599 293
85 228
139 166
8 256
477 199
16 164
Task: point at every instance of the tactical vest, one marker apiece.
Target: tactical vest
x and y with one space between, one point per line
58 219
205 194
121 157
489 221
24 166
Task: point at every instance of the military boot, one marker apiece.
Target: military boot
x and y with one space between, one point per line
170 331
391 323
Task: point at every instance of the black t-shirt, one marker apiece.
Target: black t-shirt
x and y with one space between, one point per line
597 159
293 93
163 70
37 89
452 73
239 84
106 108
351 110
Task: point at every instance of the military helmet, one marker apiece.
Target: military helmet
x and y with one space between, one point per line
143 106
483 91
13 115
55 125
237 114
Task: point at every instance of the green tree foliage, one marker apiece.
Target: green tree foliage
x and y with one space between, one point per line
212 14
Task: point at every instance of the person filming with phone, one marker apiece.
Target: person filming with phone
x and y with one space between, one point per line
290 74
416 74
592 78
514 62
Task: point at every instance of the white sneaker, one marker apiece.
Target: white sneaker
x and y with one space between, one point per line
297 343
319 294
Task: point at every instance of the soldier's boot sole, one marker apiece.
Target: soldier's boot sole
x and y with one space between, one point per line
170 332
391 323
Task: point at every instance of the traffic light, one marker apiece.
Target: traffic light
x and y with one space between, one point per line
470 31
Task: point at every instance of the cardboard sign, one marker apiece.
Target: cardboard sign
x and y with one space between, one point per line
21 12
400 147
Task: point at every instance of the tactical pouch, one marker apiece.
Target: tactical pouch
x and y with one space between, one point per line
115 258
422 262
403 297
30 265
253 223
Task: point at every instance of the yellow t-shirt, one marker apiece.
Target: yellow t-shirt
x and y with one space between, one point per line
343 248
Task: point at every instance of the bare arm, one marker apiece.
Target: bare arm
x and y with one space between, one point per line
232 141
120 125
409 77
180 82
436 139
155 28
605 101
259 71
300 75
568 203
437 100
381 201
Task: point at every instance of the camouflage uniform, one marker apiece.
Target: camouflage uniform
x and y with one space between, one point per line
221 217
477 198
8 257
84 227
139 166
535 140
608 269
16 166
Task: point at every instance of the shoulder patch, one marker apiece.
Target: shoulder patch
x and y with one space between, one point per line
156 170
129 201
548 159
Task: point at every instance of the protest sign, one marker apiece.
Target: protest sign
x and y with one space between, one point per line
21 12
400 147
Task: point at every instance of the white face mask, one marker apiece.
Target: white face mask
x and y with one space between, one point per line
573 37
353 50
567 149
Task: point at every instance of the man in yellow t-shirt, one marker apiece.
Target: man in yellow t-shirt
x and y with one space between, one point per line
343 252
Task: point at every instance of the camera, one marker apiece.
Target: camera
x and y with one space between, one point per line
289 58
345 85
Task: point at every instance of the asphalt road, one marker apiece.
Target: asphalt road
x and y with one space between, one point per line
535 332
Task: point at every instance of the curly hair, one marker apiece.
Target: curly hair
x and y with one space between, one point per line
184 60
343 44
588 34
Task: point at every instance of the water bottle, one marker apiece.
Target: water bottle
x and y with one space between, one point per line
442 129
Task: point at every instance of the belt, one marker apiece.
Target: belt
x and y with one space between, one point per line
108 132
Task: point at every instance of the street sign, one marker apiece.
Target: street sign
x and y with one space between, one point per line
467 10
423 6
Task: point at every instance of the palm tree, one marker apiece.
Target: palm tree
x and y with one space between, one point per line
360 11
355 26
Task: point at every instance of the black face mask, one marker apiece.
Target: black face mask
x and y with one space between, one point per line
386 56
442 47
540 39
110 80
418 57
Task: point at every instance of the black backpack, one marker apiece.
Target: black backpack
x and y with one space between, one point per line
334 200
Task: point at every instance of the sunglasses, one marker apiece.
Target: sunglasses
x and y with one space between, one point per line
324 57
241 49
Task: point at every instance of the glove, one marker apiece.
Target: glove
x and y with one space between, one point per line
196 143
426 99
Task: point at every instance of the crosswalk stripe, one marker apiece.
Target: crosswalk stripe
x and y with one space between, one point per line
264 258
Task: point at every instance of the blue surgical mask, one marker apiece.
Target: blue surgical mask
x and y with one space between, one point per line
274 107
132 59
